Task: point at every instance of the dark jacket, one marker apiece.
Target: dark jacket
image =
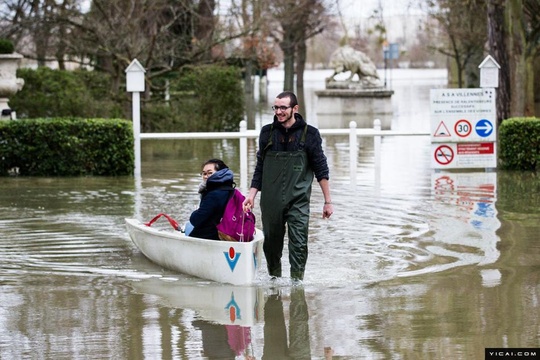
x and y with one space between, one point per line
289 140
213 202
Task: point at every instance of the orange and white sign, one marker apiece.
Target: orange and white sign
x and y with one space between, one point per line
463 155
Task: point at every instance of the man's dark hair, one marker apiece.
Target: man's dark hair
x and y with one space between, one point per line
290 95
218 164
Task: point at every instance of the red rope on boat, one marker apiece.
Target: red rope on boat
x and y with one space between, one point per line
173 222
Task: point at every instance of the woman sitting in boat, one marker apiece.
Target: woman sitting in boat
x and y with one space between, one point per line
217 180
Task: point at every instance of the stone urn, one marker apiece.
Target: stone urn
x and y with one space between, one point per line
9 83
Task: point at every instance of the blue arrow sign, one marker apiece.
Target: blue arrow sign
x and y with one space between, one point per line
483 128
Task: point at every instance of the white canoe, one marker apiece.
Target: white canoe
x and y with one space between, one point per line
222 261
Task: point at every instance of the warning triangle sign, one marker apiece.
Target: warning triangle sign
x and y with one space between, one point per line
442 131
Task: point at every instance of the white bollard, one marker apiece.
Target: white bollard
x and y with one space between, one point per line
377 143
353 151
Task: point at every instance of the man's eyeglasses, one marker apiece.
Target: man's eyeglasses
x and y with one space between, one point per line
282 108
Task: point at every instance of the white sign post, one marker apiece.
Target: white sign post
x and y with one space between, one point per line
135 84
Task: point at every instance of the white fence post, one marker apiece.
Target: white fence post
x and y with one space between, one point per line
377 143
136 113
243 155
135 84
353 151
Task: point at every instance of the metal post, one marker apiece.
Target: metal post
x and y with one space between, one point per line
353 151
243 155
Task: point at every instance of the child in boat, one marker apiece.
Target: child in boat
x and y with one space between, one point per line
217 180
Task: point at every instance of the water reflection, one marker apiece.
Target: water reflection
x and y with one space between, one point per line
276 343
223 341
228 318
222 315
464 221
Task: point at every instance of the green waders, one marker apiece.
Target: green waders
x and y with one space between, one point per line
285 195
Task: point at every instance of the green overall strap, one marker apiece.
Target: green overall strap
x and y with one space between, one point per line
270 140
303 139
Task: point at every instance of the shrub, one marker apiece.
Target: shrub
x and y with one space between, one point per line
61 93
203 98
519 144
67 147
6 47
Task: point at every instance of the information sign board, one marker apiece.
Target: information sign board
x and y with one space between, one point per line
463 115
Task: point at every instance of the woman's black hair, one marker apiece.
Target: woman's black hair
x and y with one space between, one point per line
218 164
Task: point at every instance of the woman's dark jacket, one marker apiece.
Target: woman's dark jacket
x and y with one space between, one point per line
213 202
289 140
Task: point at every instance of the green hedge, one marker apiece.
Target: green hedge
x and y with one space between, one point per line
66 147
519 144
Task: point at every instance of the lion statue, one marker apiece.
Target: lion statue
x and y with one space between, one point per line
346 59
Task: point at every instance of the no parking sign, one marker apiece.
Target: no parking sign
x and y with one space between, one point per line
463 155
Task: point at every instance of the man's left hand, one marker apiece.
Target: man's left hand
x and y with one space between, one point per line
328 210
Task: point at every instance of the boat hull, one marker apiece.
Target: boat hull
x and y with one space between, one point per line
222 261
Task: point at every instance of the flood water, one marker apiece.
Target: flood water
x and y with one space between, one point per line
414 263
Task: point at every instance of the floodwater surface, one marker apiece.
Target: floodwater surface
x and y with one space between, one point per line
414 263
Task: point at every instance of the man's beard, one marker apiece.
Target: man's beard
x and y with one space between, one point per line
288 118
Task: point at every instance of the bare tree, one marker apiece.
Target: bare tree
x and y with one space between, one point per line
311 24
205 25
463 24
164 35
514 42
299 21
36 27
254 49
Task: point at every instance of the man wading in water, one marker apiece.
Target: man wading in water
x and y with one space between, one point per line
290 153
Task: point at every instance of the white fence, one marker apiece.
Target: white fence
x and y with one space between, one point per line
243 134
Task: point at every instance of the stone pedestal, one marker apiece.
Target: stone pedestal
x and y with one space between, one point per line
337 107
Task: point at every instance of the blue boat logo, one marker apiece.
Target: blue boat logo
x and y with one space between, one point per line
232 257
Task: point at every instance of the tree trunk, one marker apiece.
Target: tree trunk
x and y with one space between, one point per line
205 26
536 72
522 99
300 67
287 46
497 48
248 92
